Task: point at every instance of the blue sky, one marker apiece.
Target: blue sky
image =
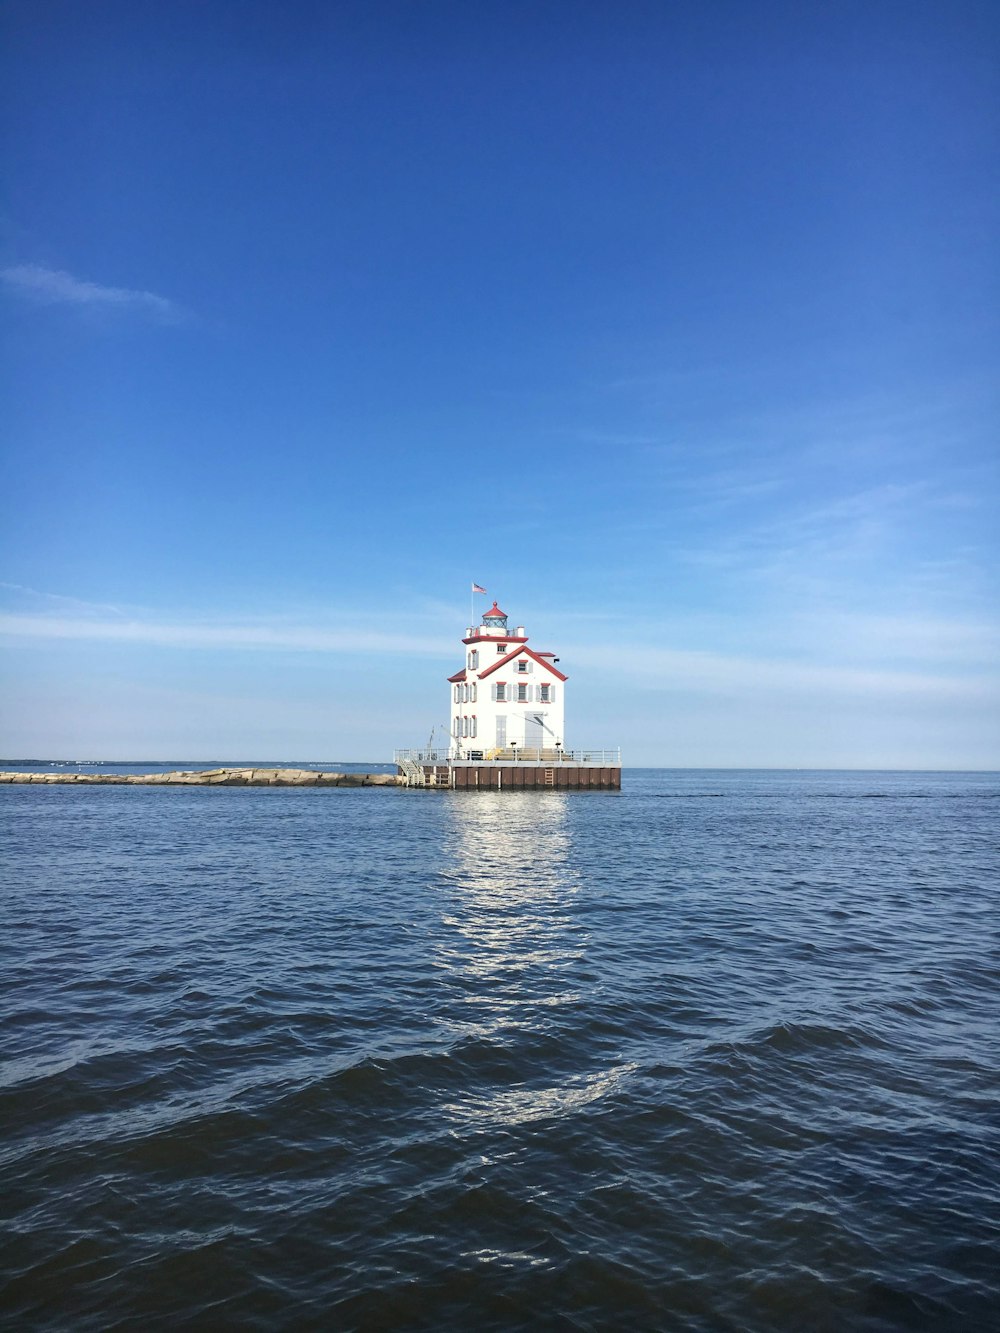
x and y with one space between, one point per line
675 325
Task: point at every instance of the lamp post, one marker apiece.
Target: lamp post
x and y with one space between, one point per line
558 752
513 746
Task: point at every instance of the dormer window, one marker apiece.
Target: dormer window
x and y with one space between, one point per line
522 666
501 648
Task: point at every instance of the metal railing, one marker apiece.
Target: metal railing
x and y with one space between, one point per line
412 772
441 755
510 754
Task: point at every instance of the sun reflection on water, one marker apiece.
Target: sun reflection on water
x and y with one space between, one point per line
516 949
512 885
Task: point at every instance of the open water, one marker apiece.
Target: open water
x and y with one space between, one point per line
719 1052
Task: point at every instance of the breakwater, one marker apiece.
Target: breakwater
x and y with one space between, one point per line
214 777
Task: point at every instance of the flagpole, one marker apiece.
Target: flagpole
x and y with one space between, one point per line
472 602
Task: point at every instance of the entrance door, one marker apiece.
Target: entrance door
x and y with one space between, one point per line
534 731
501 732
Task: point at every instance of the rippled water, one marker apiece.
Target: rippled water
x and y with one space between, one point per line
716 1053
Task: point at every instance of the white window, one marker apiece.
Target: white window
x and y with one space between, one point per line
522 666
544 695
456 727
465 726
474 659
465 694
500 693
501 648
472 692
472 725
458 694
522 693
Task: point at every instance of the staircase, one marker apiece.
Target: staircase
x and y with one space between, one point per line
413 773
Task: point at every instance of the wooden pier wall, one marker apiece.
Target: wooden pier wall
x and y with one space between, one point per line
507 777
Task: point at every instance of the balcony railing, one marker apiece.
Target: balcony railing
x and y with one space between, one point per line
471 753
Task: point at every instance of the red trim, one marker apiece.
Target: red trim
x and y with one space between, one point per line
495 611
495 638
503 661
458 676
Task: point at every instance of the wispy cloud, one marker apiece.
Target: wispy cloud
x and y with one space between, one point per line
233 637
56 287
34 600
867 548
649 667
747 677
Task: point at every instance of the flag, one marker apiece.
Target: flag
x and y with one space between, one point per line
476 588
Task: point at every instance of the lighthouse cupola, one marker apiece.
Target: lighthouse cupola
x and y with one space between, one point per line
495 619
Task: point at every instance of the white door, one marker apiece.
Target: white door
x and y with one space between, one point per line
501 732
534 731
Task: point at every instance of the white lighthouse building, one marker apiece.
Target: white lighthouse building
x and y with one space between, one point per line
508 699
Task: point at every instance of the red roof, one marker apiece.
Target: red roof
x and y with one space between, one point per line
529 652
459 675
495 611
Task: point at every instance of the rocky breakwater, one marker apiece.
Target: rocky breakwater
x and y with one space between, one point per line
214 777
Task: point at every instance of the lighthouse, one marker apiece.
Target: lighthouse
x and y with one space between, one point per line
508 699
506 711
